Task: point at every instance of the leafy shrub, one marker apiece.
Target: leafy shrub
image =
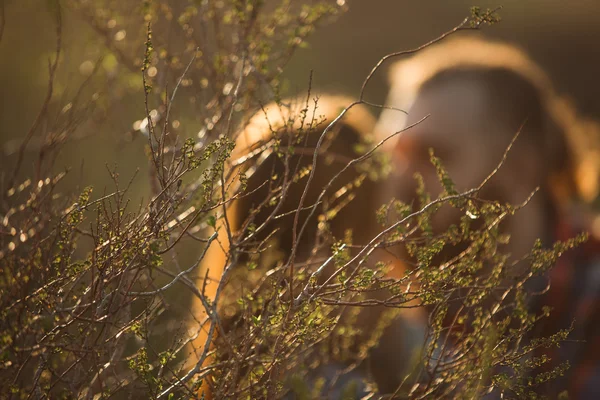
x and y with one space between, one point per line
91 285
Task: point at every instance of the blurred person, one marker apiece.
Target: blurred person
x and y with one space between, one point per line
266 172
477 95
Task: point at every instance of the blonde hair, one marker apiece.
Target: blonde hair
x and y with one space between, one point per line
254 141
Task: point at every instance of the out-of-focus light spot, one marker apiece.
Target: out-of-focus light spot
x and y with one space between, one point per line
24 185
13 231
227 88
111 24
23 237
142 125
341 3
471 215
176 124
120 35
110 63
204 83
86 68
152 71
11 246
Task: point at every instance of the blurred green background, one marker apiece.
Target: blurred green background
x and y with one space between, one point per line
560 35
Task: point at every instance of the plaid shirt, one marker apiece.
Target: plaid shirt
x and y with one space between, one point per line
574 297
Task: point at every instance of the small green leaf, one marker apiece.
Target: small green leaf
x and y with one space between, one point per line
212 221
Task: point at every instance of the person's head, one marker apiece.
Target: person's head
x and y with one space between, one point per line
294 128
274 150
475 96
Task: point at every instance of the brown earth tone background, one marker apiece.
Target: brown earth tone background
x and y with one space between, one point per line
562 36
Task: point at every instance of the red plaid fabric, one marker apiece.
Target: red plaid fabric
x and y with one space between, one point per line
574 296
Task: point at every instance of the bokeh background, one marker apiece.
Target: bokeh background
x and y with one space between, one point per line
562 36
